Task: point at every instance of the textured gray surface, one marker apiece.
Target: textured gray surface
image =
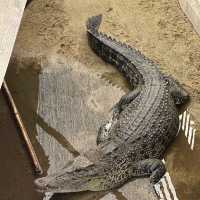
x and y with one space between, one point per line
74 102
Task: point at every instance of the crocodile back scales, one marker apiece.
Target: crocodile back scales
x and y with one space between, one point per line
150 122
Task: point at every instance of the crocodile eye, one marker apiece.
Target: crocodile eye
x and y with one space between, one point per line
167 82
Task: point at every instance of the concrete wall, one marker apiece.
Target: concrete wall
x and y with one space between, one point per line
11 12
192 9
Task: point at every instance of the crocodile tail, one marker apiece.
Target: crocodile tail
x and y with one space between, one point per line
94 22
89 178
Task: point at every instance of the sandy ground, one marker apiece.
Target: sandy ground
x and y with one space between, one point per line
158 28
53 31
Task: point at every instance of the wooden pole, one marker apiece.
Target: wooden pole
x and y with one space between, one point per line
31 150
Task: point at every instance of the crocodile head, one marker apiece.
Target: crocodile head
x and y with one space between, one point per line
46 184
62 182
73 178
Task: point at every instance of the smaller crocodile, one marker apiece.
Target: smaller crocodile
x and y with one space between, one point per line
145 122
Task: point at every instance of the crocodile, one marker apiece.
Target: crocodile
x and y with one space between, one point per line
144 123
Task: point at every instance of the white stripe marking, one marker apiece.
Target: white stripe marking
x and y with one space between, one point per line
183 122
187 124
187 128
193 138
166 192
159 191
190 135
171 186
191 122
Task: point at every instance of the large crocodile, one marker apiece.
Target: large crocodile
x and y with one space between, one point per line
144 123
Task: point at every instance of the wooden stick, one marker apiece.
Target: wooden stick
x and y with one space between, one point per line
31 150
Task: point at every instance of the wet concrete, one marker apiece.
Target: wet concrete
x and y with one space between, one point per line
16 170
21 83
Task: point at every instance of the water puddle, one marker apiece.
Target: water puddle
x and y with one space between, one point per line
62 108
16 170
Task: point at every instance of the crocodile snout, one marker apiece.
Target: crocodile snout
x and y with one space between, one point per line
41 184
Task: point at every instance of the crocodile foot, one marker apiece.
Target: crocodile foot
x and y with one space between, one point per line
153 167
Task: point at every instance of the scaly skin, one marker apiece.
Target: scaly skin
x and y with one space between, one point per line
144 123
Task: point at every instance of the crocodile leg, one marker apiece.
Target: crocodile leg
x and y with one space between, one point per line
124 101
179 94
103 132
153 167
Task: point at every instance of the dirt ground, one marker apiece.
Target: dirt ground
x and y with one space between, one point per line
158 28
54 31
